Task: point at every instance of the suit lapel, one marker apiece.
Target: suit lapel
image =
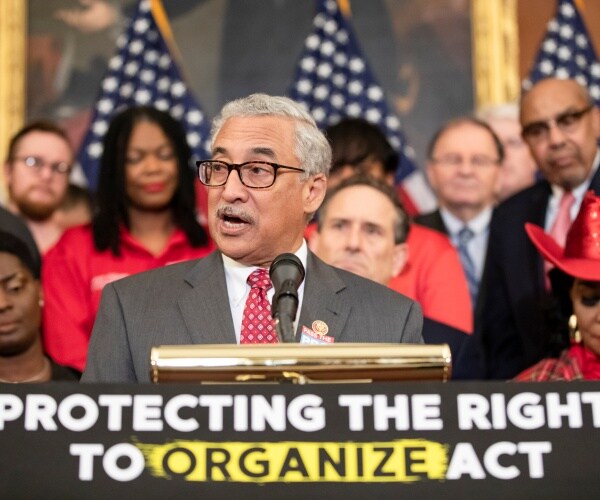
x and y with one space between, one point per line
595 184
439 223
322 299
539 207
205 306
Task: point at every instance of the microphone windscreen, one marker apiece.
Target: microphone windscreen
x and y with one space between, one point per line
286 267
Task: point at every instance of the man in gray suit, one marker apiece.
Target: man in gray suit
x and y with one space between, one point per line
281 161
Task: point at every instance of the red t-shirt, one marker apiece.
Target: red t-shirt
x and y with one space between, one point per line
434 277
74 274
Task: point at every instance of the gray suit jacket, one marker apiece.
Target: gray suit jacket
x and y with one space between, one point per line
187 303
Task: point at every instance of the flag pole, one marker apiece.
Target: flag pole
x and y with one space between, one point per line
162 22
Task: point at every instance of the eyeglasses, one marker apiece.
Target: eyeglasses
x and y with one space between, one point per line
253 174
476 161
566 122
37 163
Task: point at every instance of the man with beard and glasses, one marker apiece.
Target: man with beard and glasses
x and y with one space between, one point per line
37 169
266 178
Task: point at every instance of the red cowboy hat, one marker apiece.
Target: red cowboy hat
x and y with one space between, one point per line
581 256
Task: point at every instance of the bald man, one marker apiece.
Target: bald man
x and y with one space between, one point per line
561 125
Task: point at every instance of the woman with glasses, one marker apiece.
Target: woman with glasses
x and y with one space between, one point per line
144 218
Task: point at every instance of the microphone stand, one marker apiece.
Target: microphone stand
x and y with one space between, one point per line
288 301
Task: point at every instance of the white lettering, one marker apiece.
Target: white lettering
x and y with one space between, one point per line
472 412
115 404
215 405
86 454
305 413
534 451
382 413
11 408
593 399
40 410
464 461
131 471
264 412
90 414
171 413
498 411
571 409
146 412
240 413
524 411
426 412
490 460
356 404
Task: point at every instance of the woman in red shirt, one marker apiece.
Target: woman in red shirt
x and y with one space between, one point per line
144 218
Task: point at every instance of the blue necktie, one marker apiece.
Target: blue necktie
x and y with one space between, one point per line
464 236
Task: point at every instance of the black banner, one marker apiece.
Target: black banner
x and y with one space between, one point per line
275 441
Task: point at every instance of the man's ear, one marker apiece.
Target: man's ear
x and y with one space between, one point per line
595 112
389 178
400 258
430 175
313 193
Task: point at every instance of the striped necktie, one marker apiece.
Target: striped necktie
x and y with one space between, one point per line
465 235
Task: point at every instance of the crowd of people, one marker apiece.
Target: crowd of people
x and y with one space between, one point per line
505 271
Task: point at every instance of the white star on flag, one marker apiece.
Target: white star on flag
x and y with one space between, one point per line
567 51
333 80
143 72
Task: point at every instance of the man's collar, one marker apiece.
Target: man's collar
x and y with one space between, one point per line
477 224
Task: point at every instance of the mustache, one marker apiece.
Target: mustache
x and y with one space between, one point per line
237 212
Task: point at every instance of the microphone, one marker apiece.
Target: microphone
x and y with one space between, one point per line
287 273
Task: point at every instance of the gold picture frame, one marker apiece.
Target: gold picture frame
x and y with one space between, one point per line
13 39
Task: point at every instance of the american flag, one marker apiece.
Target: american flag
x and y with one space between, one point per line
143 72
333 81
567 51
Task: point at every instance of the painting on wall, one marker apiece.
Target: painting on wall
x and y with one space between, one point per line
420 50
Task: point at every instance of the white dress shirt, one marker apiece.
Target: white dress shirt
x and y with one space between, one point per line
236 277
480 225
578 194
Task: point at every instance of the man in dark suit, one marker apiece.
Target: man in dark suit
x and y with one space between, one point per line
363 229
561 126
463 167
268 175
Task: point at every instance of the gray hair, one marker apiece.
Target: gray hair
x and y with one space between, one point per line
312 148
505 111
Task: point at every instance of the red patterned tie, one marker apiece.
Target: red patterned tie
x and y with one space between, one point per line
257 324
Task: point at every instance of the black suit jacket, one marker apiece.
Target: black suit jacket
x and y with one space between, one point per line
463 365
432 220
509 323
